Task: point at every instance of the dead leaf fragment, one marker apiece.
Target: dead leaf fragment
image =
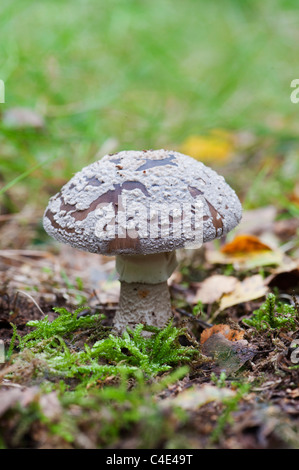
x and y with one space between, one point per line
245 252
212 288
229 355
244 244
8 398
257 221
20 118
217 146
250 289
193 398
294 197
286 229
285 278
225 330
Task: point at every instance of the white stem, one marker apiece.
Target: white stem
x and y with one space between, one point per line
150 269
144 295
142 303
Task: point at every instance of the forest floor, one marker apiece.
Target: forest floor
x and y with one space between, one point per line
211 83
228 376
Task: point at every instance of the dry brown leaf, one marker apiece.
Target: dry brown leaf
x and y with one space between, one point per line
228 355
250 289
193 398
285 277
286 229
212 288
225 330
8 398
18 118
257 221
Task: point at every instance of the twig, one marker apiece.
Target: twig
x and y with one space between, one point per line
26 253
200 322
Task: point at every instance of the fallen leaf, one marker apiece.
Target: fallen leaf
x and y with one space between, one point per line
245 252
212 288
293 393
250 289
228 355
244 244
257 221
8 398
286 277
225 330
286 229
193 398
19 118
217 146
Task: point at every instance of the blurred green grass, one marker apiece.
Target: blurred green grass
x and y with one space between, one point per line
145 73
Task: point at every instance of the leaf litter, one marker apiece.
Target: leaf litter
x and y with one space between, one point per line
221 411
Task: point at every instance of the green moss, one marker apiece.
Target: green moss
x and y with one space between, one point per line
109 388
151 354
131 355
64 325
273 315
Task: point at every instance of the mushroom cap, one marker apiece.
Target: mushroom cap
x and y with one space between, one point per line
142 202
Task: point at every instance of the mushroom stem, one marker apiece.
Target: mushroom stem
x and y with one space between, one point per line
150 269
144 295
142 303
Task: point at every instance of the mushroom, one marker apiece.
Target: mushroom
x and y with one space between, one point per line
141 206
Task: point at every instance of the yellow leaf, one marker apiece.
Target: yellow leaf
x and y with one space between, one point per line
243 244
246 252
217 146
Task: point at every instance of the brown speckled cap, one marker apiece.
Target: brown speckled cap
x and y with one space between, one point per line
150 183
